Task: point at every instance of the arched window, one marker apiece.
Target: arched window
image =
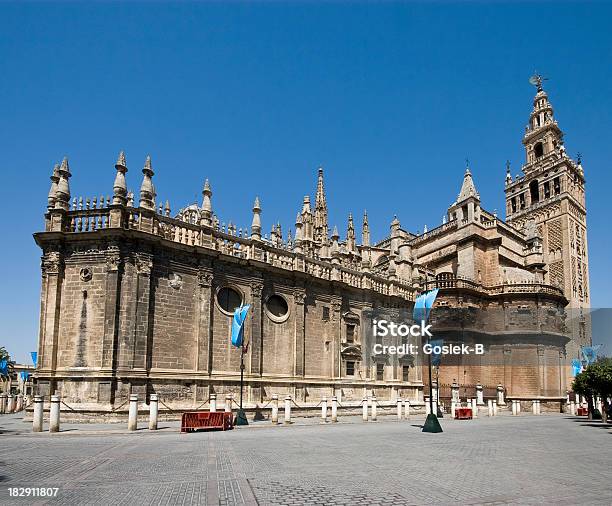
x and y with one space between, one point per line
538 149
534 191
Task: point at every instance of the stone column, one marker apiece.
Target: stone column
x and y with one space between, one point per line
52 270
212 407
399 408
274 409
455 392
54 414
204 329
489 407
113 280
37 419
133 413
228 403
299 297
364 407
453 409
153 411
19 403
324 410
144 267
288 409
373 408
255 347
474 408
479 395
500 395
334 409
2 403
10 403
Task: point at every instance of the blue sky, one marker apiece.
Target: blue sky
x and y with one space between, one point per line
389 98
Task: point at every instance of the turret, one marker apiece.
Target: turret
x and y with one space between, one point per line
62 193
256 223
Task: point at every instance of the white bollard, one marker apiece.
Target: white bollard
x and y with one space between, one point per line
514 407
453 409
274 409
288 409
2 403
373 408
489 407
37 419
153 411
474 408
212 407
479 395
427 406
54 414
500 395
10 403
518 407
573 408
407 409
324 410
334 409
133 413
19 403
534 407
399 408
494 408
228 403
539 406
364 407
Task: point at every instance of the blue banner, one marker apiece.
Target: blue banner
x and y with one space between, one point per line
34 356
4 367
24 375
423 305
589 353
576 367
238 325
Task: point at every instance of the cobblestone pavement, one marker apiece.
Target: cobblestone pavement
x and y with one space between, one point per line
550 459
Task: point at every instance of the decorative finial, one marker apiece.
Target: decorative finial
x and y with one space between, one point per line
147 191
579 158
121 161
120 186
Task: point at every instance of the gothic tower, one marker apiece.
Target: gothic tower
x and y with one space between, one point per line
550 193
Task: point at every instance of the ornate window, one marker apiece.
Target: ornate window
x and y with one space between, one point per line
228 299
277 308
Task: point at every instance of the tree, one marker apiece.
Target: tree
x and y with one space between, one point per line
596 379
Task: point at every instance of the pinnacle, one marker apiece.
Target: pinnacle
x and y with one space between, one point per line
206 185
121 160
256 205
64 166
147 166
335 233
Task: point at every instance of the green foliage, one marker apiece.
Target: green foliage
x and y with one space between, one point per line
595 379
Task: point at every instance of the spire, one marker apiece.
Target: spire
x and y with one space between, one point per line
207 204
350 234
320 221
467 188
147 190
365 230
53 189
508 175
119 186
256 223
62 193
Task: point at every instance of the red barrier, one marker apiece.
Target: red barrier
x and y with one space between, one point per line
463 413
192 421
582 412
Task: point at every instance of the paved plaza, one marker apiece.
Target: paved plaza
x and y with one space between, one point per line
552 459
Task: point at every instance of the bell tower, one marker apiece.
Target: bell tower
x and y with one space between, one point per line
550 194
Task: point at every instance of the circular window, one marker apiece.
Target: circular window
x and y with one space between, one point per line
228 299
277 308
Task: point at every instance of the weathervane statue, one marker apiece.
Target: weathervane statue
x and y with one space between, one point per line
536 80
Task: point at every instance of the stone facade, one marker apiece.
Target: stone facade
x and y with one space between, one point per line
135 300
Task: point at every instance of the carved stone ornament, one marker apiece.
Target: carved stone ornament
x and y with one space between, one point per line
205 278
256 289
51 263
144 265
176 281
113 259
86 274
299 297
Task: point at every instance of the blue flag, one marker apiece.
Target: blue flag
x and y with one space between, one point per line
24 375
238 324
576 367
589 353
34 356
423 305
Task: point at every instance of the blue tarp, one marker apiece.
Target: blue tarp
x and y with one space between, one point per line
238 324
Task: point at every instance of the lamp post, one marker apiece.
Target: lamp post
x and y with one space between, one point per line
238 341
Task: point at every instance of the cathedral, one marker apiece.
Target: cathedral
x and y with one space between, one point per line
136 299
